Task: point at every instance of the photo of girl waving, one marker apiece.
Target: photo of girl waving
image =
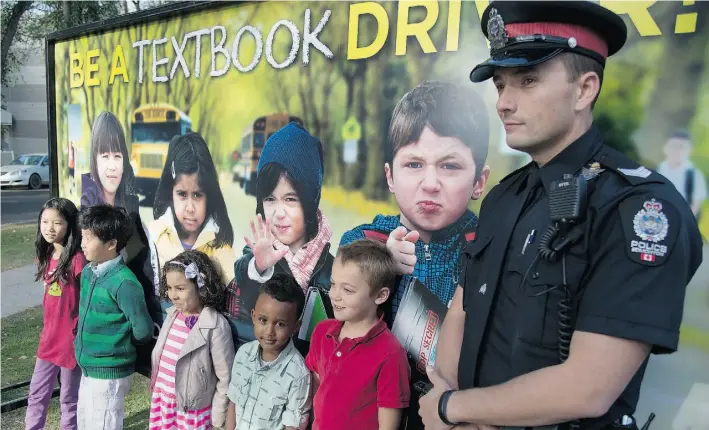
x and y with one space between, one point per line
291 234
189 209
111 179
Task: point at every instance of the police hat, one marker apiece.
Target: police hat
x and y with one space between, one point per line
525 33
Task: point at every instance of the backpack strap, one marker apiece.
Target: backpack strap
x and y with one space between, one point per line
689 185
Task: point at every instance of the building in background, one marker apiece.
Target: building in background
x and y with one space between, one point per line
24 117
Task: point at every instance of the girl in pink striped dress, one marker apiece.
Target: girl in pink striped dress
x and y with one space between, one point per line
194 353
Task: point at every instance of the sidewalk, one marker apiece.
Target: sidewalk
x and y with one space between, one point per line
19 291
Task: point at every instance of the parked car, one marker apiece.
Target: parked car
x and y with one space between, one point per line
30 170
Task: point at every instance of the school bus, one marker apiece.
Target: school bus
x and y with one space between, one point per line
252 140
152 127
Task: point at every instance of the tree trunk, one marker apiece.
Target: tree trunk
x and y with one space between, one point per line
384 79
349 171
673 103
66 10
8 33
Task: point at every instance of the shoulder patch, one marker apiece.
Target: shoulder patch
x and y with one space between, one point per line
650 226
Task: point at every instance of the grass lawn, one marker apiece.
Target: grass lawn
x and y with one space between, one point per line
20 335
17 246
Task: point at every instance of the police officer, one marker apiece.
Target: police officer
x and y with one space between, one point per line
581 258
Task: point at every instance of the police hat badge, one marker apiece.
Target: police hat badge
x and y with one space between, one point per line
496 30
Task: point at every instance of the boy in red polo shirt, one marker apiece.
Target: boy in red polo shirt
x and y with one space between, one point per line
360 370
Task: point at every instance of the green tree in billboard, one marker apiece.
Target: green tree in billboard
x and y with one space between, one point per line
674 101
618 112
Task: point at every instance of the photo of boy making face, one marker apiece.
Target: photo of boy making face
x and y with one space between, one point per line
439 133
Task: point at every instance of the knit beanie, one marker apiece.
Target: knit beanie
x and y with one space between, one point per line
300 154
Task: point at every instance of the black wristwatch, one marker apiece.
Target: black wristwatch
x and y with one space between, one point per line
442 406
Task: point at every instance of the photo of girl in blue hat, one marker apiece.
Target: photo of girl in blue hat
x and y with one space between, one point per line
290 235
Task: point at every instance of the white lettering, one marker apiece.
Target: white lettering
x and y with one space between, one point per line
235 49
160 62
180 59
295 43
219 48
198 38
311 38
139 44
641 247
218 45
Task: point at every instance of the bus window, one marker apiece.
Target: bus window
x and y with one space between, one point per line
246 143
259 140
154 132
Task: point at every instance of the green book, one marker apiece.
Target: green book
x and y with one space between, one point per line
317 308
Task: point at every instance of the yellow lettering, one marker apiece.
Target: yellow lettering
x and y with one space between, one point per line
638 13
480 5
92 68
76 72
686 22
453 25
420 30
355 52
116 68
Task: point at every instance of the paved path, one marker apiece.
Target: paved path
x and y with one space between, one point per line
19 291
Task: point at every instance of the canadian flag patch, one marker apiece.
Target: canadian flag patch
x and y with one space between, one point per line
647 257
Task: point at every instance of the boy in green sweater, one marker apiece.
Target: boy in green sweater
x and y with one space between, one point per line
112 317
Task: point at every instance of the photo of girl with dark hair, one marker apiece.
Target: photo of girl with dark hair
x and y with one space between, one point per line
189 209
111 179
291 235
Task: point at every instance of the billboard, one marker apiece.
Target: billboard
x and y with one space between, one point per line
236 73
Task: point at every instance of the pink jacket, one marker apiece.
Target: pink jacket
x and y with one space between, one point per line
204 366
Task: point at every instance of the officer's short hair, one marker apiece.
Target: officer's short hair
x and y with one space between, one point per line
450 110
576 65
374 260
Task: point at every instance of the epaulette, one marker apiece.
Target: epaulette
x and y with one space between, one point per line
628 169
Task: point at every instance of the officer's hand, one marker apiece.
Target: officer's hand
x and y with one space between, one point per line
428 404
403 247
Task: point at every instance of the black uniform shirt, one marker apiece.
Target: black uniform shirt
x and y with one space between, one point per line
628 272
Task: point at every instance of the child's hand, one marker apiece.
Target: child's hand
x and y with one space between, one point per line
403 247
265 255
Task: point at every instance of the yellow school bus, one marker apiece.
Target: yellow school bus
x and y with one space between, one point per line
252 141
152 127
